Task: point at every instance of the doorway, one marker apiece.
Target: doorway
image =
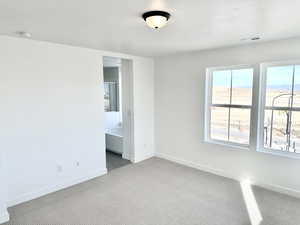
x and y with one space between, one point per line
117 107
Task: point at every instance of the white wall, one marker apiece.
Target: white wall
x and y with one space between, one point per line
143 105
52 114
179 115
3 191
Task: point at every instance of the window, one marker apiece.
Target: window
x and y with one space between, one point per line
229 104
281 108
266 101
111 96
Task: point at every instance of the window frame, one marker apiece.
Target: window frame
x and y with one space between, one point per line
261 111
208 105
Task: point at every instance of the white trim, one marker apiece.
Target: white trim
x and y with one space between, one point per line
291 155
269 186
145 157
232 67
207 103
280 63
262 101
53 188
4 217
127 109
196 166
228 144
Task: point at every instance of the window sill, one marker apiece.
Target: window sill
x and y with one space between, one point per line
228 144
290 155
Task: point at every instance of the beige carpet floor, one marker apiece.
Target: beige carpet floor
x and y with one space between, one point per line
156 192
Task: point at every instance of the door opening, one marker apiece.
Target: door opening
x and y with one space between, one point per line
117 107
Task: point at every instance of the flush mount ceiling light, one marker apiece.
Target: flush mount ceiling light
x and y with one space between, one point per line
156 19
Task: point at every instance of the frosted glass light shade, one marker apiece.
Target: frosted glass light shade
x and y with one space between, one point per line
156 19
156 22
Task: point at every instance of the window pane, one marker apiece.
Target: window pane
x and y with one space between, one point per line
221 87
242 86
279 85
276 129
296 102
295 133
219 123
239 125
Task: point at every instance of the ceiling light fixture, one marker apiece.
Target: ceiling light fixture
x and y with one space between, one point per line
156 19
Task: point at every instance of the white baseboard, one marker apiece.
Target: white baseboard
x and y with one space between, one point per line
53 188
148 156
272 187
4 217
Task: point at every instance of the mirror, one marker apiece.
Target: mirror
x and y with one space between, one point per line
111 97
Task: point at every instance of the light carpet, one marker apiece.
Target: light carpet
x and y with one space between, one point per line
156 192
